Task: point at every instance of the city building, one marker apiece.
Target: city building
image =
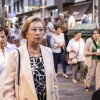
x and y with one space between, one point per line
19 10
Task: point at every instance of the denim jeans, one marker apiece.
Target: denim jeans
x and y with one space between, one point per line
48 40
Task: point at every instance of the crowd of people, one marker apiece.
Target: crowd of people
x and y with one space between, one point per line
30 54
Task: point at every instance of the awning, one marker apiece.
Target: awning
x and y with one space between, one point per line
79 10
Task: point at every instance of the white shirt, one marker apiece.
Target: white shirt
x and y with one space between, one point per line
51 26
71 21
3 63
55 41
4 55
78 47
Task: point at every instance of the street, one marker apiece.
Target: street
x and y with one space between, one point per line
71 91
67 89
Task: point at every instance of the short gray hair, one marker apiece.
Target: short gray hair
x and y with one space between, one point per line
27 23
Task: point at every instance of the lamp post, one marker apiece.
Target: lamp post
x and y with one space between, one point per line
43 9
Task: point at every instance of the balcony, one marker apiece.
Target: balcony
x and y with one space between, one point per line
73 1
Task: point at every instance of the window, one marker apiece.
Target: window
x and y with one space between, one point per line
17 5
9 9
22 1
14 7
37 2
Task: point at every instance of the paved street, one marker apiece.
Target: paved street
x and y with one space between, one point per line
67 90
71 91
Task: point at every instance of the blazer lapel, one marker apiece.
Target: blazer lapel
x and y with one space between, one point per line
47 66
26 68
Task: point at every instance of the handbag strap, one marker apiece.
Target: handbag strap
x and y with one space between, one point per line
94 43
18 66
79 47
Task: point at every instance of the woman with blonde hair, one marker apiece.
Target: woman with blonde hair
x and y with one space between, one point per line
35 78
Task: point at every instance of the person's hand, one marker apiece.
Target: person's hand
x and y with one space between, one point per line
60 45
96 53
63 44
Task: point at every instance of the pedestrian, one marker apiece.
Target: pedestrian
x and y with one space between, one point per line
92 52
77 45
49 30
5 49
85 18
70 20
58 46
63 23
35 80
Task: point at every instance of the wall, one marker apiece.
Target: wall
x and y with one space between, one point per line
50 2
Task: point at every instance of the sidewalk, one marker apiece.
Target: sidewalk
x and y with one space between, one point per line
69 90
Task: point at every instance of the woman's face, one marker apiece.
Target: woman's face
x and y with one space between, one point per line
35 32
78 36
3 39
58 31
95 35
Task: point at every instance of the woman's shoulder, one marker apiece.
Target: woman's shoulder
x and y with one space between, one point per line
46 48
15 51
89 40
71 40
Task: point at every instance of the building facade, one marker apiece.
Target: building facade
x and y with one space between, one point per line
19 9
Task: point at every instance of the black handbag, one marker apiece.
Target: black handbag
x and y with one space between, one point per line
18 72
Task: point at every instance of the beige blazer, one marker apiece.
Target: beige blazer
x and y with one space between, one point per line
88 49
26 89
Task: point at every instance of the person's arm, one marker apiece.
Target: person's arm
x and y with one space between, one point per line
50 27
54 43
87 49
9 80
70 47
51 30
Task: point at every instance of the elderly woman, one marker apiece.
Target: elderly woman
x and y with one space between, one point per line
58 46
37 77
92 52
77 45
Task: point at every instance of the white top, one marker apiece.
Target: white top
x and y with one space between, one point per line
4 56
3 64
71 21
78 47
51 26
55 41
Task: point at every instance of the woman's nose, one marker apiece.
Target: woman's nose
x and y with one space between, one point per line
38 31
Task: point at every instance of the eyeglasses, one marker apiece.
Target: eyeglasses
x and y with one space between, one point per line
40 29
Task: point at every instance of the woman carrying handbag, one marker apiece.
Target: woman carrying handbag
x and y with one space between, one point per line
76 46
